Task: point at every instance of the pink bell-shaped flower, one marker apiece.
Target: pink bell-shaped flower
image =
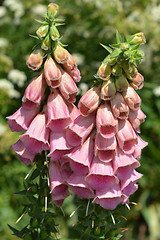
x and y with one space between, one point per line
37 134
34 93
57 111
21 119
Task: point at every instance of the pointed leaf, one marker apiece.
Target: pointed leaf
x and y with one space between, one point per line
40 21
107 48
115 45
115 53
118 37
23 192
34 175
130 38
135 46
59 24
58 20
34 36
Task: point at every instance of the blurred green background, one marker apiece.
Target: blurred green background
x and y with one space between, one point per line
87 23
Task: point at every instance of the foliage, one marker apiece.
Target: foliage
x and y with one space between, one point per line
88 23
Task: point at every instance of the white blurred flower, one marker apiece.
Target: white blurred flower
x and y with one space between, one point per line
17 77
39 9
156 91
17 7
79 58
9 88
3 11
82 88
2 129
3 42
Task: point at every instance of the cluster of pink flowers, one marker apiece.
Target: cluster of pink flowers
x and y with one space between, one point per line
93 150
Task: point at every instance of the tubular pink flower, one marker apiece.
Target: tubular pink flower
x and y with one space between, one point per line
138 147
23 153
129 186
101 175
21 119
119 107
68 87
73 111
59 189
34 92
105 148
75 74
105 121
136 118
79 186
123 164
57 112
137 82
52 73
126 136
70 63
80 130
132 98
81 157
109 199
35 60
89 101
36 136
58 145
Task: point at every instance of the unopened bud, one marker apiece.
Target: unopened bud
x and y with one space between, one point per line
108 90
117 70
42 31
35 59
121 83
60 54
125 46
54 33
112 61
139 38
46 44
104 71
52 9
130 70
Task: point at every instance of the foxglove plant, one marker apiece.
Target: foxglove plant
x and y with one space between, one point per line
92 151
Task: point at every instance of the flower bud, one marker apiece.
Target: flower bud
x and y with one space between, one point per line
125 46
104 71
112 61
108 90
35 59
54 33
139 38
137 82
46 44
121 83
52 9
117 70
130 70
42 31
60 54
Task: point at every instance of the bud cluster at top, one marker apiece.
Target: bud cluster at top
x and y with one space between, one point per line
120 66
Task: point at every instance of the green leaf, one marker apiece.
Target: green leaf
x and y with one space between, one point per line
117 45
23 192
134 47
107 48
34 175
59 24
118 37
130 38
58 20
40 21
34 36
115 53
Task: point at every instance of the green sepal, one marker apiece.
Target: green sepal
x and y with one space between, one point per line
59 24
34 175
116 45
107 48
130 38
34 36
118 37
41 22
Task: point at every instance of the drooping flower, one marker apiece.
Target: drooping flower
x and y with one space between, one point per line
34 93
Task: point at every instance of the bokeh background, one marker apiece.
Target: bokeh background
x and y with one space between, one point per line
87 23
